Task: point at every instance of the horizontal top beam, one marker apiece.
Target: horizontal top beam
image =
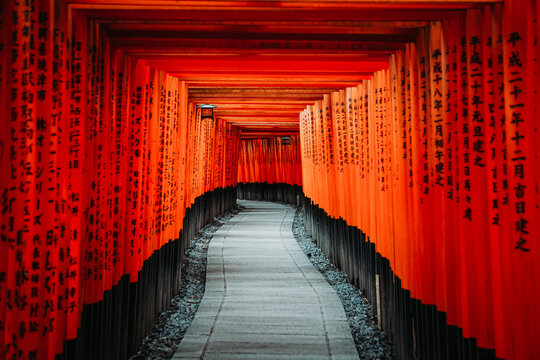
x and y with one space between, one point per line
276 4
424 12
263 61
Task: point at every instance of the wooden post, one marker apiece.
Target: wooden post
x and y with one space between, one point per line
378 296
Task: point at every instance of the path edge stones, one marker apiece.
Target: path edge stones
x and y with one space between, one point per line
371 343
164 338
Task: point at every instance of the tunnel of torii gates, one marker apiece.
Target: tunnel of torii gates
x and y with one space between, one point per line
413 149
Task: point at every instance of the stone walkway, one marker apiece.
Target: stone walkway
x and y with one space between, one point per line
263 298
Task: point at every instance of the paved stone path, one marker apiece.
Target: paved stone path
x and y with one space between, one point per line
263 298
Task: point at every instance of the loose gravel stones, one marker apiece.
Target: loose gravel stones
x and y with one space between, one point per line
163 339
370 342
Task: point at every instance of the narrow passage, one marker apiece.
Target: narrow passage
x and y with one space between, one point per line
263 298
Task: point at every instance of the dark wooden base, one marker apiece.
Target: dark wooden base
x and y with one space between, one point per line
115 327
278 192
416 330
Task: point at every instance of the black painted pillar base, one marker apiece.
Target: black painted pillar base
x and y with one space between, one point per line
277 192
114 327
416 330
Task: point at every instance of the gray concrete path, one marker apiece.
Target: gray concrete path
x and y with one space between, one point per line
263 298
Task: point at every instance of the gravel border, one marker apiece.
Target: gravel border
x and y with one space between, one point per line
371 343
164 338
